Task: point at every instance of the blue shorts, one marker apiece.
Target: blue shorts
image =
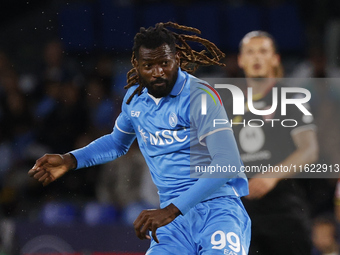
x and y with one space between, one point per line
216 226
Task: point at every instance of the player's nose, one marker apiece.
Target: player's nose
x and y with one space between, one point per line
157 71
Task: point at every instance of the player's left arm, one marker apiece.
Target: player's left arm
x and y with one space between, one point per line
306 152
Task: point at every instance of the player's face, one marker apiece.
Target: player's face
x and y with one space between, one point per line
258 58
157 69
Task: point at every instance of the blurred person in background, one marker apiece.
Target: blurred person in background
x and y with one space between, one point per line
56 65
315 66
120 184
324 236
102 109
320 78
275 204
68 117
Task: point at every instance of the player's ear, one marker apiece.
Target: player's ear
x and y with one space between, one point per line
178 59
276 60
135 64
240 61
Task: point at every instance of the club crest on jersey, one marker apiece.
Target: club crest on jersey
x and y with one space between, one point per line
173 119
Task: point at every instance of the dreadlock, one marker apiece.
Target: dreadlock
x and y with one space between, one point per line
190 59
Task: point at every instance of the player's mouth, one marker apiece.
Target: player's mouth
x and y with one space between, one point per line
159 83
257 67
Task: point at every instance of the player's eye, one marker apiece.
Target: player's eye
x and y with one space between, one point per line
263 51
249 52
146 65
165 63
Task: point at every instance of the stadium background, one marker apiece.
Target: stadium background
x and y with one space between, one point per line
63 66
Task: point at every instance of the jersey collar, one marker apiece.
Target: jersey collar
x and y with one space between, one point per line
179 85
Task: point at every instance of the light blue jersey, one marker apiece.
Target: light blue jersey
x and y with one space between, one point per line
177 138
172 134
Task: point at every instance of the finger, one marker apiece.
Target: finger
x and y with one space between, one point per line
145 228
39 174
138 224
47 181
138 219
43 178
31 172
154 236
41 161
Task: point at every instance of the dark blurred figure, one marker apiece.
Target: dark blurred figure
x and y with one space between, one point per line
319 78
324 237
56 66
315 66
119 183
67 119
102 109
104 70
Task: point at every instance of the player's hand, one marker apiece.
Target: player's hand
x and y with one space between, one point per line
51 167
153 219
259 187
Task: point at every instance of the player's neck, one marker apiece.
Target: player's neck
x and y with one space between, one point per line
261 86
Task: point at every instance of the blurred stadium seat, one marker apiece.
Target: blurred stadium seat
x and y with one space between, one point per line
95 213
58 213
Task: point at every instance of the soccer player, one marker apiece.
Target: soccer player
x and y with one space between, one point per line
162 109
275 205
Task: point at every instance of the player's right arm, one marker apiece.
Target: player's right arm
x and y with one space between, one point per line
106 148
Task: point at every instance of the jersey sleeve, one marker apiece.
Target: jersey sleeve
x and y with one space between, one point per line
108 147
207 113
208 117
223 150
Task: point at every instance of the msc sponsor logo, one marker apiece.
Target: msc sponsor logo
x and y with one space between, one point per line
164 137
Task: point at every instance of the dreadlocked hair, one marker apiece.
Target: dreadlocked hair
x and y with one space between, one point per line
190 59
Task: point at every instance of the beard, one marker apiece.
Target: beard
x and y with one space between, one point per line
160 87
